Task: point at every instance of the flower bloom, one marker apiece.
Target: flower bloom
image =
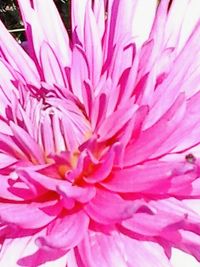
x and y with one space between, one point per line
99 135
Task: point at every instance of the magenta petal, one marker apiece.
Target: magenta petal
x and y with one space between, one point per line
117 211
145 177
29 215
27 253
101 169
7 192
100 134
24 245
145 145
80 194
43 257
65 233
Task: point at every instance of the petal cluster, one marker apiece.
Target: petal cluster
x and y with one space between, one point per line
99 135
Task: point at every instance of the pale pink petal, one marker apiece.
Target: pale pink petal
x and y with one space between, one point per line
111 126
92 45
79 71
23 63
171 87
56 35
78 17
115 250
143 19
52 70
146 145
27 143
28 254
101 169
99 12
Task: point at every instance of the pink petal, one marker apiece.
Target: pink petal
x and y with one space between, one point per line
101 170
79 71
99 12
29 216
65 233
116 211
173 84
52 70
112 125
28 254
115 250
23 63
116 26
6 160
27 143
78 17
92 45
146 145
55 34
145 177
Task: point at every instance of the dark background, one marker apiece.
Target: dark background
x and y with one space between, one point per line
10 16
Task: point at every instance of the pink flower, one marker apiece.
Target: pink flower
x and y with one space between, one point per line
100 134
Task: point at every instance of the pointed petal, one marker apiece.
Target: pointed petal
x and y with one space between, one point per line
27 143
51 68
40 28
92 45
79 71
22 63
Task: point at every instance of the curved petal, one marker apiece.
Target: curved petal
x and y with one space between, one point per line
146 177
116 250
65 233
22 63
117 210
35 21
29 216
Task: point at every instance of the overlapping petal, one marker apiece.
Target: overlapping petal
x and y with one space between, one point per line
99 134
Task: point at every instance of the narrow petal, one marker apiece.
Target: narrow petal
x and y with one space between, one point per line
27 142
34 18
92 45
52 70
79 71
23 63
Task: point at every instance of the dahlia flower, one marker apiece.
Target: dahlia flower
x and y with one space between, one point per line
100 134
